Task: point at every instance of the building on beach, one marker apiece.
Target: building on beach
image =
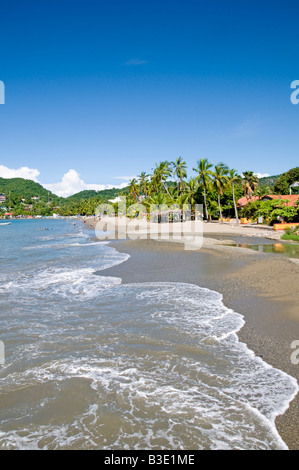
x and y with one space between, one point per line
290 199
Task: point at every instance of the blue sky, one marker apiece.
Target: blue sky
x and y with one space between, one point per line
108 88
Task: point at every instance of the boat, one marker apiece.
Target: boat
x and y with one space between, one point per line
5 223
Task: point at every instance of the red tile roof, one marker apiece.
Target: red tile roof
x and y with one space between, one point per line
243 201
292 198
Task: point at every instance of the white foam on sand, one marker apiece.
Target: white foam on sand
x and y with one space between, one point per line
171 371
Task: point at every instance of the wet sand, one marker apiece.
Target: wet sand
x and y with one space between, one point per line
262 287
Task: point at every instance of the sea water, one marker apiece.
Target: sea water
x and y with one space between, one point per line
91 363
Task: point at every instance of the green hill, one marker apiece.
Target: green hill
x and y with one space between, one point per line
90 193
26 197
282 185
16 189
268 180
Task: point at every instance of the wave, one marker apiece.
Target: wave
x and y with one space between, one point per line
63 245
93 363
165 366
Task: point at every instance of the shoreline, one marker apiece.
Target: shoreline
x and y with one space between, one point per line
261 287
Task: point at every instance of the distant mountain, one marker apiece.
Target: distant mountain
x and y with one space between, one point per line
16 189
281 183
90 193
20 188
268 180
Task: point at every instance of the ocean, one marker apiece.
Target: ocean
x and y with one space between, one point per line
92 363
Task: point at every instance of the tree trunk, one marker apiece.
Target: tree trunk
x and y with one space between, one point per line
236 210
220 208
165 187
205 200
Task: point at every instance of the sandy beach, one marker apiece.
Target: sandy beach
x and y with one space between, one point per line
263 287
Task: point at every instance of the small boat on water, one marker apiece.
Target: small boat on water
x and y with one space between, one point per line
5 223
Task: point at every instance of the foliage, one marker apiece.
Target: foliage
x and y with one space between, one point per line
292 237
104 194
215 186
272 211
204 177
291 233
17 189
292 230
268 181
282 184
250 183
26 197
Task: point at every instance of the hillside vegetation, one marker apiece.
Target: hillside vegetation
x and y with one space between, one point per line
90 193
16 189
218 190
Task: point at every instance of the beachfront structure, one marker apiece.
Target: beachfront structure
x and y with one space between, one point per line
175 215
291 199
160 217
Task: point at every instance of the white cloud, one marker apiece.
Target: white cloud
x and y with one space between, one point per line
23 172
71 183
261 175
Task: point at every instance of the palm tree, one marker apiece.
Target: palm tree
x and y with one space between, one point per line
233 179
204 177
143 183
161 173
250 183
156 204
220 181
133 188
191 190
262 191
159 199
173 193
180 171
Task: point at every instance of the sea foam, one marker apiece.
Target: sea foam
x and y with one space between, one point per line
94 363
